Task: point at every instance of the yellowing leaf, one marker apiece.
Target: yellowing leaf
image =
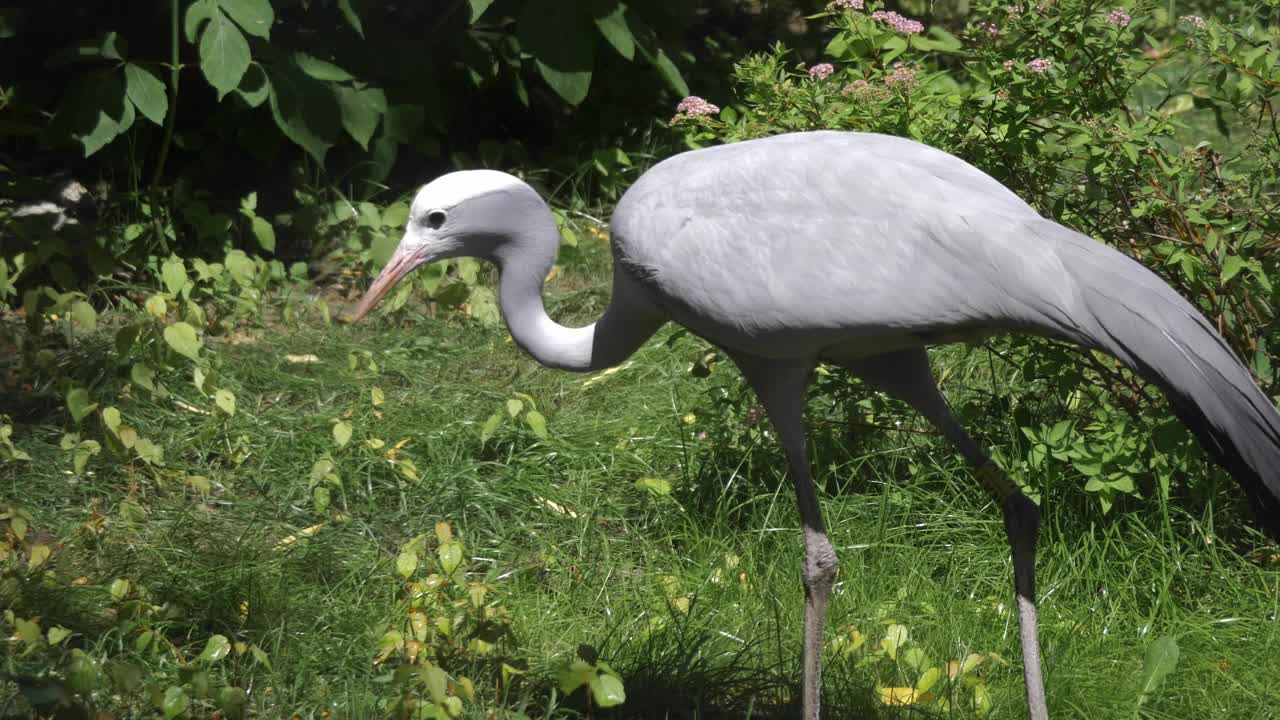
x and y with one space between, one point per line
226 401
898 696
307 359
39 554
376 397
342 433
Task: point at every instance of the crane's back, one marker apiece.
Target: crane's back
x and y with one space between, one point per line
799 242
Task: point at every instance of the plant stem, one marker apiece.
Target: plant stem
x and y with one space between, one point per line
170 120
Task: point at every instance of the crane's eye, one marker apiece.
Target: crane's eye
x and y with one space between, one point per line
435 219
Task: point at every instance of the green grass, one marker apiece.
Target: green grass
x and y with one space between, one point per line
579 555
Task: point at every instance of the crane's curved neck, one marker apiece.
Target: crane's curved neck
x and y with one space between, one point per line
523 263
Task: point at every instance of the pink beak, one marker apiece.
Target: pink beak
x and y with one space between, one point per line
400 264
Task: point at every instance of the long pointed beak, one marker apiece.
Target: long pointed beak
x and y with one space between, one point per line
401 263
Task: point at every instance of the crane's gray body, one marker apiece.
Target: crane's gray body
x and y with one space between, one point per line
833 242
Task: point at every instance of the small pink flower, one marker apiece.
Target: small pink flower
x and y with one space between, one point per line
897 22
1040 65
702 435
821 71
1119 18
849 4
694 106
989 28
1008 64
1013 11
1194 21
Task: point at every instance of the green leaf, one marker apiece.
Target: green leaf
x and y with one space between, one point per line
537 423
611 19
78 403
200 12
146 92
94 110
57 634
226 401
241 267
149 452
514 407
342 433
577 674
183 339
265 234
353 19
174 274
254 16
436 681
1161 659
39 554
490 427
478 7
406 564
304 109
232 701
174 702
560 38
657 486
111 418
450 555
1232 267
28 631
362 110
215 649
607 690
254 87
224 54
143 376
84 315
119 589
321 69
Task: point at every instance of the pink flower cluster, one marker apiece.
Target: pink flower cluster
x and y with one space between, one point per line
1194 21
902 77
849 4
990 28
821 71
693 106
1013 11
1119 18
1040 65
897 22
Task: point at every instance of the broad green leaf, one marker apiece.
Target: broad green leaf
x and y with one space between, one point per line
174 702
657 486
321 69
157 307
450 555
28 631
362 110
436 680
83 674
260 656
928 679
94 110
174 274
215 649
232 701
84 315
38 555
607 690
577 674
1232 267
200 12
241 267
406 564
342 433
561 39
254 87
376 398
183 339
304 109
224 54
647 43
57 634
226 401
119 589
611 19
146 92
320 498
111 418
514 407
149 452
353 18
254 16
537 423
478 7
107 45
484 306
444 532
265 234
78 403
81 454
490 427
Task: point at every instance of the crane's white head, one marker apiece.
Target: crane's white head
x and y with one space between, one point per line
468 213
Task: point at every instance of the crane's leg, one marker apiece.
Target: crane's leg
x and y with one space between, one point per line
905 375
781 387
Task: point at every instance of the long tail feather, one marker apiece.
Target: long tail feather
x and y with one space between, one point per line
1130 313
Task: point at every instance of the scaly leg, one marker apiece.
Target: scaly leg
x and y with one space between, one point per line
781 387
905 375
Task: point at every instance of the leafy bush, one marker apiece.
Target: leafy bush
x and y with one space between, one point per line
1154 133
